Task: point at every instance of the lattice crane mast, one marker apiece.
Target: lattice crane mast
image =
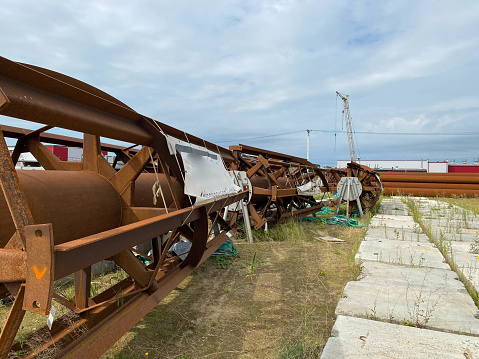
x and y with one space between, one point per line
347 117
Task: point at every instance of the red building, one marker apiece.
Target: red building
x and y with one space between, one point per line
463 168
59 151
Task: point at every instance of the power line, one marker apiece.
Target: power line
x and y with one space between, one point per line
360 133
407 133
266 136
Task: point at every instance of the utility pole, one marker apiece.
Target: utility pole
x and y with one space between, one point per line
307 152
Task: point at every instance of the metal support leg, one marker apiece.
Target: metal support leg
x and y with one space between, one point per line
347 200
247 223
340 199
358 202
82 280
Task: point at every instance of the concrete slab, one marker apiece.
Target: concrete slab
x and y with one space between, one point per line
396 233
452 223
389 199
427 297
393 208
467 262
391 221
355 338
397 252
459 237
437 230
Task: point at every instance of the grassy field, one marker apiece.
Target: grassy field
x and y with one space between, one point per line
276 299
470 203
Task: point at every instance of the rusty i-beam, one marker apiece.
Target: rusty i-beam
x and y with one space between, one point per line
61 221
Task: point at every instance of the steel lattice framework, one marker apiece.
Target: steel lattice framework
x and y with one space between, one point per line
61 221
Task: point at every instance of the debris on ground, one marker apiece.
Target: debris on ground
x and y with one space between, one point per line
227 249
343 221
325 210
331 239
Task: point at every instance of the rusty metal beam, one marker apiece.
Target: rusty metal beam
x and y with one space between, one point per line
14 196
79 213
77 254
11 326
99 339
17 132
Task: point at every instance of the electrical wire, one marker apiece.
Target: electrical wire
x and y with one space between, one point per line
360 133
259 137
407 133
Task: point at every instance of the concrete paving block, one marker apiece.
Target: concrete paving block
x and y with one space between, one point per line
356 338
397 252
392 221
467 262
459 237
454 224
393 233
391 199
438 230
428 297
393 208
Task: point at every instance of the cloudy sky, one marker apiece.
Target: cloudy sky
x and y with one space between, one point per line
237 71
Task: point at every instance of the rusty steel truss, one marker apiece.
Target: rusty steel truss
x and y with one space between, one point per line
62 221
275 178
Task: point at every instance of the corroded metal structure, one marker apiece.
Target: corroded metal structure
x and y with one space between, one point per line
277 180
369 179
61 221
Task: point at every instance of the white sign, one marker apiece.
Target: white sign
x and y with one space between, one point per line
51 317
205 173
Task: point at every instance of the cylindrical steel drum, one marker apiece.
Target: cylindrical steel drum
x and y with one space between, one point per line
76 203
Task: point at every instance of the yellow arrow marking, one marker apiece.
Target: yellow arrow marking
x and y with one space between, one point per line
39 274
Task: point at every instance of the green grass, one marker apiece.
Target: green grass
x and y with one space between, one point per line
470 203
275 300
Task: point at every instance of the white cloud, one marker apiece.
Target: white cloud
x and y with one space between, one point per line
238 69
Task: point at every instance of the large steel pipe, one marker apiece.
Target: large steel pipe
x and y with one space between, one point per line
77 203
430 192
457 186
435 178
